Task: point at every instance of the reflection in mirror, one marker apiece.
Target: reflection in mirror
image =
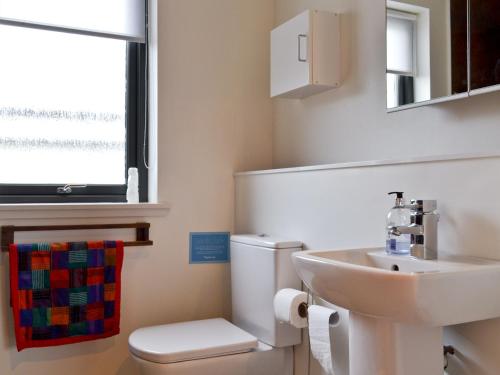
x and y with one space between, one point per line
485 43
426 50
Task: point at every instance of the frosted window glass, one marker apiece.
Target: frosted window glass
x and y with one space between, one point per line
400 45
119 18
62 108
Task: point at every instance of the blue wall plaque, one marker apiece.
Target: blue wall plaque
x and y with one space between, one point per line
208 247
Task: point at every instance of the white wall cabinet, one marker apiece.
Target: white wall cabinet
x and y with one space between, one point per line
305 55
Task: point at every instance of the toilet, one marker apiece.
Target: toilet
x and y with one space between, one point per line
255 343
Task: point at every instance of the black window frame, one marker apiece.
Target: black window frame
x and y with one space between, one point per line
136 148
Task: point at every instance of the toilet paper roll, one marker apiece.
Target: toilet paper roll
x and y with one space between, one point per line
321 319
286 307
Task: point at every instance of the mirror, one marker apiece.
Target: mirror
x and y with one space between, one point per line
426 50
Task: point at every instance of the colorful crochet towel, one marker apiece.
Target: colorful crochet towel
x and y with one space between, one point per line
64 293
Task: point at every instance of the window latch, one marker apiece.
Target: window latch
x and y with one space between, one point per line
68 188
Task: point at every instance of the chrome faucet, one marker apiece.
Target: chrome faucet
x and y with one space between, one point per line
423 229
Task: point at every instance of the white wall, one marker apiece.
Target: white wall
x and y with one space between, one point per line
351 123
214 118
346 208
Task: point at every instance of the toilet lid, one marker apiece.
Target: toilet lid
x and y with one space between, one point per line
190 340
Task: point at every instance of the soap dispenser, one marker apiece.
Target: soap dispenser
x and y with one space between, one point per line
399 215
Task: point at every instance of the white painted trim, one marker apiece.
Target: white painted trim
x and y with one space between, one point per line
373 163
485 90
429 102
153 101
81 210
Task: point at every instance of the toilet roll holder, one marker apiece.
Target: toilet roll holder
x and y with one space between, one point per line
302 309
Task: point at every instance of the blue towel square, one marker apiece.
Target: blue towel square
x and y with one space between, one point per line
109 309
25 280
109 274
95 258
26 318
95 293
96 326
60 297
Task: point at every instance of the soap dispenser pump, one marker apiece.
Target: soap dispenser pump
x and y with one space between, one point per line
399 215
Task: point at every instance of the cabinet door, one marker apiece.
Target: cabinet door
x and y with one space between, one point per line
484 43
290 55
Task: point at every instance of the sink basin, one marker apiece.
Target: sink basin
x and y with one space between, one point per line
398 305
451 290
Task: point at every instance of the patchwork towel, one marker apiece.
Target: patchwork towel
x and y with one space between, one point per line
63 293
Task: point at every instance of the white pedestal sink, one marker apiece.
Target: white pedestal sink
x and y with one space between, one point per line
399 305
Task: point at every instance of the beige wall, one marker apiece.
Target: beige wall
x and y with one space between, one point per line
351 123
214 118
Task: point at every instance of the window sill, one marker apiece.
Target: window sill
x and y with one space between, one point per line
81 210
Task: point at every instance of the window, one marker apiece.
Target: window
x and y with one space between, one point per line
72 112
401 57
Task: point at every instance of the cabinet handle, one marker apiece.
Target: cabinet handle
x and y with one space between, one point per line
299 39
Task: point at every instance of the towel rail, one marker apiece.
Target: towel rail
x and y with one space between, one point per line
141 232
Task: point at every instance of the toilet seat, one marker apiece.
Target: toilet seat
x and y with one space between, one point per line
190 340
